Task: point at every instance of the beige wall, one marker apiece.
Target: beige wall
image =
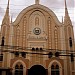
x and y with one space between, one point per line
38 26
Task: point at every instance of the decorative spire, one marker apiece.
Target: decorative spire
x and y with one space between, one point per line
67 20
65 4
66 10
6 19
8 5
7 10
36 1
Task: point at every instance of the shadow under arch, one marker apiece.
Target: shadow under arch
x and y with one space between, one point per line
37 70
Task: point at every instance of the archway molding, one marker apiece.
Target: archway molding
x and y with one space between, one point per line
58 63
36 7
15 63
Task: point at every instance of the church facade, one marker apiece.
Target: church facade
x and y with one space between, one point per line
37 43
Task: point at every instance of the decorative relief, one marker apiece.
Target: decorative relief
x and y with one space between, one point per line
36 21
37 31
69 31
24 31
38 37
56 37
24 28
25 20
4 31
18 36
49 32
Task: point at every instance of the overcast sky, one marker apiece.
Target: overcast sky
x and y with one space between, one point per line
57 6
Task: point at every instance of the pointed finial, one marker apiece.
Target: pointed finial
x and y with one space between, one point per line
6 19
65 5
8 5
67 20
7 10
66 11
36 1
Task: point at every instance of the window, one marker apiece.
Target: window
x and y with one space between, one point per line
52 70
23 54
70 42
16 54
2 42
55 70
19 70
1 57
16 70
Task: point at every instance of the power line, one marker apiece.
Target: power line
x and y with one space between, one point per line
39 52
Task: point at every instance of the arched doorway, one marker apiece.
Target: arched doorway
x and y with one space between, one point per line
37 70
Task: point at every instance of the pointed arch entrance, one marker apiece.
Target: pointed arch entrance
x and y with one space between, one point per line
37 70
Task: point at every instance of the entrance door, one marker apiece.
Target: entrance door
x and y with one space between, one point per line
37 70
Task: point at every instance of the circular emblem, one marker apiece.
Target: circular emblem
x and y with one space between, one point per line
37 31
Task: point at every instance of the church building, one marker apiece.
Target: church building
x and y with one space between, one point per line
37 43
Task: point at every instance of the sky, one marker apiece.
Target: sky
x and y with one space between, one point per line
57 6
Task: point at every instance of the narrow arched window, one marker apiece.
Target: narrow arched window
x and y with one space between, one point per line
21 70
16 70
52 70
16 67
55 70
70 42
1 56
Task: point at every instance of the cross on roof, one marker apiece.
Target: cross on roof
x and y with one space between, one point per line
36 1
